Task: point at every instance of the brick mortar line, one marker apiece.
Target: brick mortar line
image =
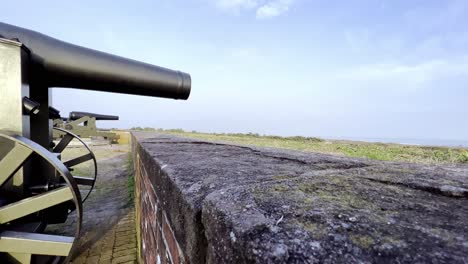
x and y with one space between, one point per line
137 197
166 244
160 226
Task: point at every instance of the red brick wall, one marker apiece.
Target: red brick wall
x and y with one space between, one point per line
157 243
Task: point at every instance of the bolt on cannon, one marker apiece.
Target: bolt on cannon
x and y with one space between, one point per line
36 186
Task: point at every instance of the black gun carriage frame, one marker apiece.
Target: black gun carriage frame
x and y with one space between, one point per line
36 187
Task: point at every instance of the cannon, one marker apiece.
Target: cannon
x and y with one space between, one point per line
36 186
83 124
77 115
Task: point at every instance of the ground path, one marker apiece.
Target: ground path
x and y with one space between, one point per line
108 231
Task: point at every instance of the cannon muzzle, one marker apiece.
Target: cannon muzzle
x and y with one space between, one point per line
61 64
77 115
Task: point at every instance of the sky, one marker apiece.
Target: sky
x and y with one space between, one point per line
327 68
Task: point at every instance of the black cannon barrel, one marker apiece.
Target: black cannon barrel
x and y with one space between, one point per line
66 65
77 115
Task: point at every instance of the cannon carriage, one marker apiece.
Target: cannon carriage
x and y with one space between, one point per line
83 124
36 186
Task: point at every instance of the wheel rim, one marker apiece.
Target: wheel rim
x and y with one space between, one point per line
83 180
27 244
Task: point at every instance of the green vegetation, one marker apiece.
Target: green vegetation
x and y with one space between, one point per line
99 153
363 241
131 179
376 151
143 128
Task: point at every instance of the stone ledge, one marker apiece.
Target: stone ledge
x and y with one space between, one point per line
240 204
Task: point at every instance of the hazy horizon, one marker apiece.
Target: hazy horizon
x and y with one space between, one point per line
330 69
402 141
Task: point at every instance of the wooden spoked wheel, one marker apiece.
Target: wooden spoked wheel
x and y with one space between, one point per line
24 215
85 182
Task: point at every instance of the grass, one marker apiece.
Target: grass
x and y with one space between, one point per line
131 179
376 151
86 168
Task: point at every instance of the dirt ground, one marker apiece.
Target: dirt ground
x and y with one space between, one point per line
108 227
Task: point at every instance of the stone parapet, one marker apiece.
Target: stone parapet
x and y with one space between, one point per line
208 202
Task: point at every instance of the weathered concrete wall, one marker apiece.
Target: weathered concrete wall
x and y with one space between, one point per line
205 202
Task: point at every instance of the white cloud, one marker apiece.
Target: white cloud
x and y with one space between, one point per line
273 9
263 8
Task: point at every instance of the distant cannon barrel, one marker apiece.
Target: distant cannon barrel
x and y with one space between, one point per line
77 115
66 65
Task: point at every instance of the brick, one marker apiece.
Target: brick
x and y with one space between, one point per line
106 247
123 247
120 253
159 215
126 228
127 237
80 260
124 259
92 260
173 247
165 259
125 223
161 246
125 242
124 233
109 238
85 253
106 254
149 242
157 238
95 251
128 220
105 259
